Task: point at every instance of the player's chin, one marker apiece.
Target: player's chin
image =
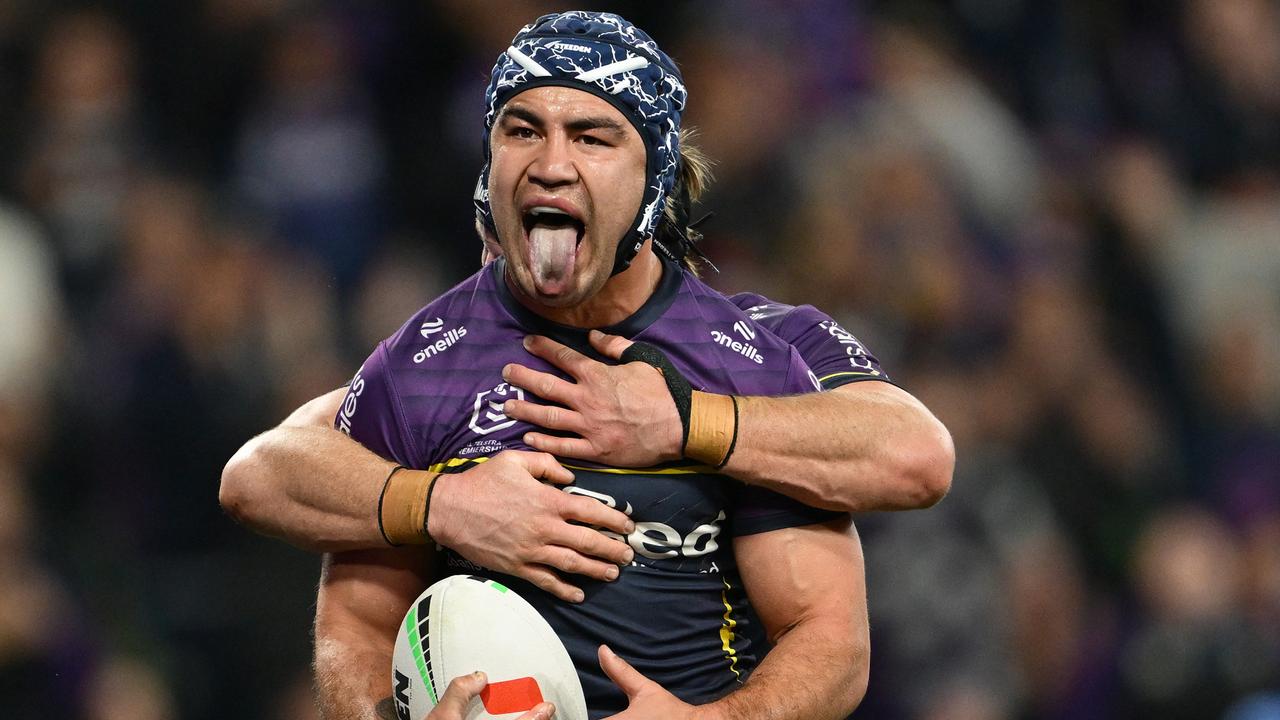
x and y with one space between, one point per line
569 296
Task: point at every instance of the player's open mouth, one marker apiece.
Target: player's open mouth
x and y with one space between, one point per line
553 236
552 219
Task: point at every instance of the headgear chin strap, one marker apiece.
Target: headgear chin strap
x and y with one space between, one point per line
603 54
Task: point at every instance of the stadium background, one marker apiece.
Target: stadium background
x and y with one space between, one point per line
1057 222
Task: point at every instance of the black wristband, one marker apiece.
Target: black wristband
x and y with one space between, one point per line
426 508
680 389
385 484
734 442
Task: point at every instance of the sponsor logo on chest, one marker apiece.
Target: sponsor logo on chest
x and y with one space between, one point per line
444 338
742 347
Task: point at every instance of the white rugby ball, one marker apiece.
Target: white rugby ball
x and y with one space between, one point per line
466 623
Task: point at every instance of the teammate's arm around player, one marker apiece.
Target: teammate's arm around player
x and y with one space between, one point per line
860 447
318 489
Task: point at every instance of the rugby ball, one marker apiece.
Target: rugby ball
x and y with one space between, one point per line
466 623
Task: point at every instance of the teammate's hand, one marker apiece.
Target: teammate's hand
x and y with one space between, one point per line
646 699
498 515
623 415
453 704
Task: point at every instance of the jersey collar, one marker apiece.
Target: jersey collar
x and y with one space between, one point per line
652 309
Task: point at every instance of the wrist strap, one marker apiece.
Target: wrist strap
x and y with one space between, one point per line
403 506
713 428
709 422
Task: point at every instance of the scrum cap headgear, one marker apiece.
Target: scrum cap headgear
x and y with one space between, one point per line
607 56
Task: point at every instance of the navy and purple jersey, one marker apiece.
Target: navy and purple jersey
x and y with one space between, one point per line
833 353
431 397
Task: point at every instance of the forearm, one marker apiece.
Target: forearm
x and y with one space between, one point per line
312 487
346 689
860 447
813 672
360 603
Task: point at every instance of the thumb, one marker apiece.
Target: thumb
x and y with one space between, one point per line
628 679
544 466
542 711
460 691
611 346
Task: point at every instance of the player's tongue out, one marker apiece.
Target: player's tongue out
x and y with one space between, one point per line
553 250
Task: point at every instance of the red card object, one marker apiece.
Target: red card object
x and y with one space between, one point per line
511 696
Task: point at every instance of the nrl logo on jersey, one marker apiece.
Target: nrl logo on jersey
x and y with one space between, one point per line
488 414
435 327
742 347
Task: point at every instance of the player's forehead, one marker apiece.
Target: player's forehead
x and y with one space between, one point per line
556 105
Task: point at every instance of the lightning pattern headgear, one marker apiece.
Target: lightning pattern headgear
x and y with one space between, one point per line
609 57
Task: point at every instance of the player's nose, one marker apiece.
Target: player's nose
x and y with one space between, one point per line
554 163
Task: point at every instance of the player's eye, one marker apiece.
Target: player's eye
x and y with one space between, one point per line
592 140
522 131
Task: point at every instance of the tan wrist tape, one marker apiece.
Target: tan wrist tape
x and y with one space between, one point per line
713 428
402 507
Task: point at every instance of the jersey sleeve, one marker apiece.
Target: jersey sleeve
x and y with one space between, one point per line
757 510
371 412
833 353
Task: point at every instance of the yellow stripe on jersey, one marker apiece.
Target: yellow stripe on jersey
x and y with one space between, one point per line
726 631
850 372
448 465
454 463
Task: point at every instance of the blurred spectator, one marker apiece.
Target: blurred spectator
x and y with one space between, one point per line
31 313
1193 649
85 141
309 158
128 689
39 637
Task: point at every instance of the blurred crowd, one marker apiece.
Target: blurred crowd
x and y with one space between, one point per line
1057 222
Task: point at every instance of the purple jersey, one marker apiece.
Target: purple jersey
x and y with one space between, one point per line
431 396
835 356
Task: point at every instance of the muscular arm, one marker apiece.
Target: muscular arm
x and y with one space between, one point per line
863 446
362 598
316 488
307 483
808 586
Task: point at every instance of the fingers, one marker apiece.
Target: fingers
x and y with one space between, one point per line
563 357
610 346
596 513
542 466
594 543
541 711
562 446
544 385
543 578
552 417
460 691
453 704
566 560
628 679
